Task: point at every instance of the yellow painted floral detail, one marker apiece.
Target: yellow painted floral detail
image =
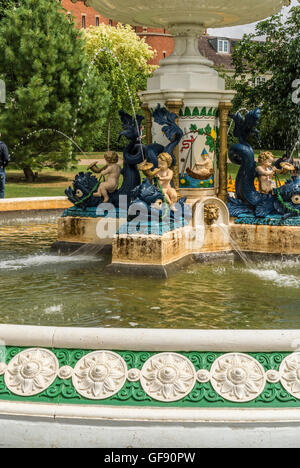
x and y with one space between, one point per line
214 134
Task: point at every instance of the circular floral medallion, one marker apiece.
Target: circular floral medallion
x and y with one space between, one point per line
290 374
65 372
99 375
238 377
168 377
3 368
203 376
273 376
134 375
31 372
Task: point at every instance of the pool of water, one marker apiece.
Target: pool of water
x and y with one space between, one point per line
39 288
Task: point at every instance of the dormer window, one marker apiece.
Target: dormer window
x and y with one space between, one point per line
259 80
223 46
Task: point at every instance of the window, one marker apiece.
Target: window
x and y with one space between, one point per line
164 54
145 29
110 22
259 80
223 46
83 22
97 21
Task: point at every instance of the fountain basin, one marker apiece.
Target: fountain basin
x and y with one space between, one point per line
213 14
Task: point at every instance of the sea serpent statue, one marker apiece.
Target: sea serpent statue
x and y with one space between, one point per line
281 201
87 192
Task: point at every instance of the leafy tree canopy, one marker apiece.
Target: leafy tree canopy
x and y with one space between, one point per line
121 59
277 56
6 6
45 67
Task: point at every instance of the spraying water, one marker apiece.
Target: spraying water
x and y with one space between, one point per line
45 130
109 51
265 271
297 146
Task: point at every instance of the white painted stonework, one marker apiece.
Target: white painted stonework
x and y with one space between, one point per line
238 377
31 371
168 377
99 375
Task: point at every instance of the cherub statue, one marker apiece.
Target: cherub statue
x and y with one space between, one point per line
266 171
165 176
112 170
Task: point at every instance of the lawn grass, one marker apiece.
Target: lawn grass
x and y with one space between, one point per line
53 183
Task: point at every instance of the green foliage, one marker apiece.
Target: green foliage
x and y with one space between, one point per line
279 56
6 6
121 60
44 65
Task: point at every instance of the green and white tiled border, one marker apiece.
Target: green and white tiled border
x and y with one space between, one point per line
194 379
150 368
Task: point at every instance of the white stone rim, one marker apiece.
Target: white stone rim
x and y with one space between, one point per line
169 377
100 376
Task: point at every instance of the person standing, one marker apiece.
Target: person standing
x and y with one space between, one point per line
4 160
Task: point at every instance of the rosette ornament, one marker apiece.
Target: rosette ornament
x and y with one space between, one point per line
99 375
31 372
290 374
168 377
238 377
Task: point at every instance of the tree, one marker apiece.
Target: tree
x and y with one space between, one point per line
6 6
44 65
121 59
279 55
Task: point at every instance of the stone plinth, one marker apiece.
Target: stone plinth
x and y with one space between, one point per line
151 249
34 204
98 231
279 240
161 255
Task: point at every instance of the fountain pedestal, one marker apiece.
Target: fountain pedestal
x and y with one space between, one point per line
187 84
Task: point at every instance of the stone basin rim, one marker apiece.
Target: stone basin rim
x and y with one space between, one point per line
150 339
217 14
56 412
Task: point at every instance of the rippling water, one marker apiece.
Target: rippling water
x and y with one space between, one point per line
39 288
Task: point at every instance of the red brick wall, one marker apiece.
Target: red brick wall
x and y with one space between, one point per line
158 39
79 9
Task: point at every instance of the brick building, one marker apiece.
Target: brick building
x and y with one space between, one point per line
158 39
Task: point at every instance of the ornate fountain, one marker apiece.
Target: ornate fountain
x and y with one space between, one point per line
187 108
186 81
151 387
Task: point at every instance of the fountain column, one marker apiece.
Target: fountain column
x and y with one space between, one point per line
224 109
148 123
188 85
175 106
